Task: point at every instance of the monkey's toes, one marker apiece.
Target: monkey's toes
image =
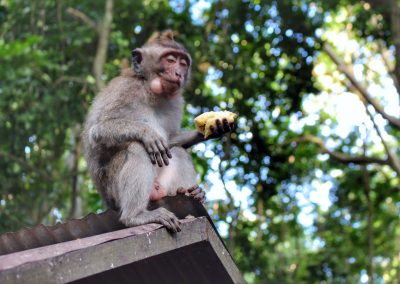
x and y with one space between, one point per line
181 190
201 197
170 221
195 192
172 224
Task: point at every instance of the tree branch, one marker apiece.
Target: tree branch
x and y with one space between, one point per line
395 31
83 17
393 160
342 66
390 69
23 163
65 78
336 155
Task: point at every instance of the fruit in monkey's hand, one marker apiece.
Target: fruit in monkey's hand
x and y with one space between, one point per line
206 120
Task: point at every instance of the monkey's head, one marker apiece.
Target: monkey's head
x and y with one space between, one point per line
163 63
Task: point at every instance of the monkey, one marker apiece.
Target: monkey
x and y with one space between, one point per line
134 146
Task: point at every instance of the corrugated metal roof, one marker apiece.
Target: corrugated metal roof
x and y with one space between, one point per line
98 249
38 236
91 225
143 254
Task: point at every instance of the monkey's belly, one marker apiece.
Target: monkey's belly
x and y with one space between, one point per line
178 174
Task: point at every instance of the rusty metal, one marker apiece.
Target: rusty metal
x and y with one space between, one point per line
91 225
142 254
38 236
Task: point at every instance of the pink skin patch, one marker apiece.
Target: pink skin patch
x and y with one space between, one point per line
160 86
157 192
155 86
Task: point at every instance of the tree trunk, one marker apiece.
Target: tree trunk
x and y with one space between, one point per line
104 29
76 202
370 229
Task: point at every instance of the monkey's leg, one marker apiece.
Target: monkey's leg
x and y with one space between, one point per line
133 186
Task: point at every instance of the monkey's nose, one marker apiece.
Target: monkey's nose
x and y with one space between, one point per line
178 74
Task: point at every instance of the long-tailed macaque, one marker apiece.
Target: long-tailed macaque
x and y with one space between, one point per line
134 146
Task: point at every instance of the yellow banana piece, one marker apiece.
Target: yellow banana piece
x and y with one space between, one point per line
204 121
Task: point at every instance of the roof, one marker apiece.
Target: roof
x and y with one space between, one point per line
101 250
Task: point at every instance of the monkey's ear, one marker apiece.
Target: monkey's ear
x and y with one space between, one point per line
137 59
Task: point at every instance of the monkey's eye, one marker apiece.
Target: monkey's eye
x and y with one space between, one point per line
171 59
183 63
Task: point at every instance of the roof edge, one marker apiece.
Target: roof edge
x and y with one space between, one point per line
69 261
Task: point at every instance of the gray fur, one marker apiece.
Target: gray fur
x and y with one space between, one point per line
122 118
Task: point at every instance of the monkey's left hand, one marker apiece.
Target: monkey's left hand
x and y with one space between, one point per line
157 148
220 128
215 124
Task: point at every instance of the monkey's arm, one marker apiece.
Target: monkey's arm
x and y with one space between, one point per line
116 131
187 139
119 131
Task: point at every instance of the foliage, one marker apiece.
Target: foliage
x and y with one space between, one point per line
260 59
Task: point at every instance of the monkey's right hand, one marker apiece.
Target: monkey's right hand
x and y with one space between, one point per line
156 147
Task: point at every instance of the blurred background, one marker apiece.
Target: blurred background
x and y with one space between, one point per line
307 188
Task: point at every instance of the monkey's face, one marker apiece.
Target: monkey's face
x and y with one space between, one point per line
172 74
165 69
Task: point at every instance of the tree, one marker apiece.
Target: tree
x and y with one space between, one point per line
279 65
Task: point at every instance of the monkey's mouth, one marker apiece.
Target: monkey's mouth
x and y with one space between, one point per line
177 83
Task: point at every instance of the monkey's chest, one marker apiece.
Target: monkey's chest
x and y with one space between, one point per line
170 123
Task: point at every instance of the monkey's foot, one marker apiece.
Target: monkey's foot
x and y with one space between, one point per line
160 215
168 219
196 192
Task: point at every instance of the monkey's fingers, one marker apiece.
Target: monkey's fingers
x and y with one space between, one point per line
158 158
213 131
165 158
162 152
167 151
152 158
220 128
150 151
227 126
